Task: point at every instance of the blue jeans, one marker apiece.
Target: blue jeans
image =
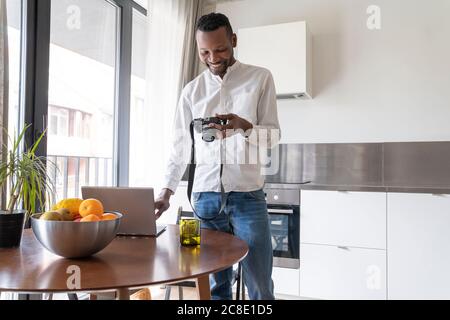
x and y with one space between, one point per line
246 217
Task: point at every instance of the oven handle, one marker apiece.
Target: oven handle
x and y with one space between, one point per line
280 211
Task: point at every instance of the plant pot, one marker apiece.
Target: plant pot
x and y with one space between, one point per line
11 227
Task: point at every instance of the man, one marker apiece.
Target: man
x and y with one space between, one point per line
245 96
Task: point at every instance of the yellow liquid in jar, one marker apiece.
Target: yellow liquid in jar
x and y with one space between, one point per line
190 232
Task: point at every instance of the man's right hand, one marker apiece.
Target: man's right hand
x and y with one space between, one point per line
162 202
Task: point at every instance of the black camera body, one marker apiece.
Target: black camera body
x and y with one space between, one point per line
201 125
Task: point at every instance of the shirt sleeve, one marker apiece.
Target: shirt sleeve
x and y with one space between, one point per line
266 132
181 144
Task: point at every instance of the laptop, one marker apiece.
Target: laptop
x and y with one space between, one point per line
136 204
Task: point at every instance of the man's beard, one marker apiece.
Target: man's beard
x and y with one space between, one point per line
220 70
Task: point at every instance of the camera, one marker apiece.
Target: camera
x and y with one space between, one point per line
202 126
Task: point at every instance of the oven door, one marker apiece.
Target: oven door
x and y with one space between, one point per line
285 230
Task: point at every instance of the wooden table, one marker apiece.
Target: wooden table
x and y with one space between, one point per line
126 263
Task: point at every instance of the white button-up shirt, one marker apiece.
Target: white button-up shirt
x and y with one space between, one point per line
245 90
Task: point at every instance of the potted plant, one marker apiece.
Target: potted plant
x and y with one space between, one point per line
25 178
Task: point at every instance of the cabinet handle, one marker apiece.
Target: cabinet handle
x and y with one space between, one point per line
344 248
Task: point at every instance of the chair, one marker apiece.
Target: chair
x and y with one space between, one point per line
70 296
237 274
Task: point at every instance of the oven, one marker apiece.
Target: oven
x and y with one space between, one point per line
283 206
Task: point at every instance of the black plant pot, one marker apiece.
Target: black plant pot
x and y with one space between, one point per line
11 227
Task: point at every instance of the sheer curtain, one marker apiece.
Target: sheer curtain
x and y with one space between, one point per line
3 82
171 63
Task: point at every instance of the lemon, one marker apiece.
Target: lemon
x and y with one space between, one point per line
71 204
51 216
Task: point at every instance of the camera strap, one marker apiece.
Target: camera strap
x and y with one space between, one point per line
191 170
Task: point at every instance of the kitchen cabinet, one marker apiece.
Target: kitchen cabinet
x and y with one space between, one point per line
286 281
293 73
355 219
418 246
343 245
331 272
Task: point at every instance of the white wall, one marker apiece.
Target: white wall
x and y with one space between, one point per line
391 84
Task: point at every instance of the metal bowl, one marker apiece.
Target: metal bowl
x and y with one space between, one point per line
75 239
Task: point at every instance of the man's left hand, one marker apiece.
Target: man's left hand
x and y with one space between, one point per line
234 123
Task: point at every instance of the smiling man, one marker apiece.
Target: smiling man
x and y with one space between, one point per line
227 196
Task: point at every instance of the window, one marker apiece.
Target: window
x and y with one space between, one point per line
10 118
82 93
13 13
58 121
138 158
87 91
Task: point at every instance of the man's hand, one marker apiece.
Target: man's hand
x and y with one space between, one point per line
234 123
162 202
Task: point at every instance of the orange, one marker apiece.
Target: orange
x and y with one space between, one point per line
108 216
90 218
91 206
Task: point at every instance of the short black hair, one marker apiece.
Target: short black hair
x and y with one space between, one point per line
213 21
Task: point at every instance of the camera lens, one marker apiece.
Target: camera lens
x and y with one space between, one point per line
208 138
209 134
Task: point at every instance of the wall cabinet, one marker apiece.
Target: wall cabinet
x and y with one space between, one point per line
293 73
418 246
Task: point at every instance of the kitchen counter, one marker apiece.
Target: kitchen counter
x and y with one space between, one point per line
351 188
342 188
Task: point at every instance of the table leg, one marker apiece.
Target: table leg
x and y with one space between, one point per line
123 294
203 289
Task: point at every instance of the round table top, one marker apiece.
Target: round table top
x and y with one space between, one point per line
127 262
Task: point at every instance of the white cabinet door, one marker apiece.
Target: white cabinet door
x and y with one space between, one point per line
329 272
355 219
286 281
291 74
418 246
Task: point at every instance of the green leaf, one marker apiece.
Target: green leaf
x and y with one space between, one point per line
27 174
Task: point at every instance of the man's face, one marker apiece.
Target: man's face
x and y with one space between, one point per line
215 49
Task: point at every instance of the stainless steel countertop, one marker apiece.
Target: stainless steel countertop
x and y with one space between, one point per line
312 186
343 188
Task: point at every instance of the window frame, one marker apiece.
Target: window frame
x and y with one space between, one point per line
35 77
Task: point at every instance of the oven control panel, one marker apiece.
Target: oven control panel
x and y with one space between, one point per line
282 196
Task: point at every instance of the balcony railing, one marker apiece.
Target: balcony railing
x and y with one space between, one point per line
71 173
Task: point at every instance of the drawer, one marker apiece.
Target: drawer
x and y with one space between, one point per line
286 281
354 219
330 272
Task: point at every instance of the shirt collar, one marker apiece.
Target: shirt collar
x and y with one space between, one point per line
235 65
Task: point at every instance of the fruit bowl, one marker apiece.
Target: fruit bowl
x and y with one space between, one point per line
71 239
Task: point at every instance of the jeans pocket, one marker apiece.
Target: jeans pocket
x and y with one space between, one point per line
196 196
257 195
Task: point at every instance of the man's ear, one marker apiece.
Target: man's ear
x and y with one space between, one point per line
234 40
